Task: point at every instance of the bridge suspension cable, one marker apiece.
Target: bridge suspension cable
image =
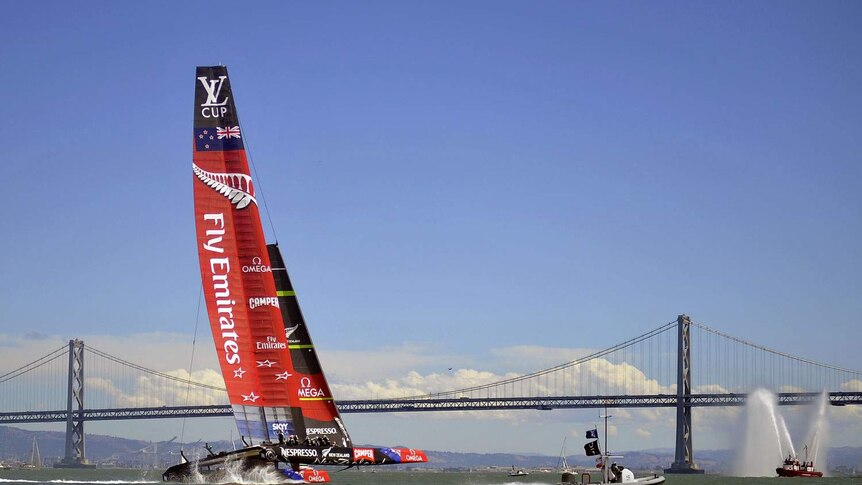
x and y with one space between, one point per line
111 383
153 372
725 363
40 384
45 359
562 369
645 365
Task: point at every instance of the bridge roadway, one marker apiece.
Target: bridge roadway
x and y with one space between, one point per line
439 404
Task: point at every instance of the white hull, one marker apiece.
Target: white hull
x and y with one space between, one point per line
654 480
571 478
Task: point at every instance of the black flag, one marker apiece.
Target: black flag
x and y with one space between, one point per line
592 434
592 448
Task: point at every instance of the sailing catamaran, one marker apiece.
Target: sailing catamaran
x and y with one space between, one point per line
282 403
35 456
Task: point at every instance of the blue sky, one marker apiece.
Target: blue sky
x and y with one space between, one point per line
447 178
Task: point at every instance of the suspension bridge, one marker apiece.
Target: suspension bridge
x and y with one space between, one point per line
681 364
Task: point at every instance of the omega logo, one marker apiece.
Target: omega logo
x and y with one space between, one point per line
256 266
305 389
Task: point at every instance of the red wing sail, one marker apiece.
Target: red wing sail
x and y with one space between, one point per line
274 379
242 304
320 416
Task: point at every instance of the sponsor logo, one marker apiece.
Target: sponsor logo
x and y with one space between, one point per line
219 274
315 478
301 452
213 107
256 267
413 457
321 431
283 426
306 389
345 456
236 187
270 344
259 301
363 454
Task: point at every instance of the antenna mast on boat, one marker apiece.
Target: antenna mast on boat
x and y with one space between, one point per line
607 453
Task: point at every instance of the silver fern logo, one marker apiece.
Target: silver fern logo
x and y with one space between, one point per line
236 187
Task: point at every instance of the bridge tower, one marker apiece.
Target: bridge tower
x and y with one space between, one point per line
75 457
684 458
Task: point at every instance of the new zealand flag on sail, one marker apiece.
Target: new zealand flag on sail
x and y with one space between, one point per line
218 138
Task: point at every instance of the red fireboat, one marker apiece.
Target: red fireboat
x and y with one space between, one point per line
792 468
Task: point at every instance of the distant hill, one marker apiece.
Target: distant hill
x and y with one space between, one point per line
15 446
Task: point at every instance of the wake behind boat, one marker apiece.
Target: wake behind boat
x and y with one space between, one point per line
282 403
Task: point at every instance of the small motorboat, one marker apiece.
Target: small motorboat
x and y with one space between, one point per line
623 475
610 474
517 472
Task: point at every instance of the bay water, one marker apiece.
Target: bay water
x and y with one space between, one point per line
110 476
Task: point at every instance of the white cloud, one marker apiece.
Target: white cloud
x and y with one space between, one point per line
852 386
385 363
788 388
148 391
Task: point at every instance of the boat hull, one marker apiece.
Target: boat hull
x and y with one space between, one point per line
254 459
798 473
654 480
225 466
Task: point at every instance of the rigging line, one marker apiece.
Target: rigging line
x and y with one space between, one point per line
192 360
776 352
257 182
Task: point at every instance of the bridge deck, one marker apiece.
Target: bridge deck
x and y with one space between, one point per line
438 404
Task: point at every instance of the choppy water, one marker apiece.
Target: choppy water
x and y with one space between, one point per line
351 477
